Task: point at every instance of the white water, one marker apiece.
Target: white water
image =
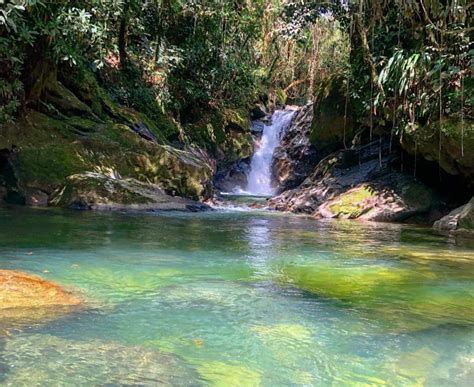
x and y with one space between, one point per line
259 180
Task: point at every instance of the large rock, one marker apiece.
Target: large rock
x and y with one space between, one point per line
357 184
455 155
48 149
296 157
25 298
94 191
333 122
79 129
459 220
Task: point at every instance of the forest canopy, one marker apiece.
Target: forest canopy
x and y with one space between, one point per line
400 62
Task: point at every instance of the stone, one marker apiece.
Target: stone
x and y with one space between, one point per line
295 157
458 220
95 191
36 198
456 153
356 184
26 298
333 123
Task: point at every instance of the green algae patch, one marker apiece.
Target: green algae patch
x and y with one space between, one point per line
384 292
285 332
221 374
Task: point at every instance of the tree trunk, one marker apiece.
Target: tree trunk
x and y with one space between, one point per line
123 35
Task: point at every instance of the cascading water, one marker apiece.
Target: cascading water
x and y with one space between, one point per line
259 181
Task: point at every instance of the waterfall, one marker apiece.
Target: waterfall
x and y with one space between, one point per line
259 180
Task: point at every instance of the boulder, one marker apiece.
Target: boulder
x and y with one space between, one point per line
459 220
455 155
332 125
48 149
295 157
95 191
358 184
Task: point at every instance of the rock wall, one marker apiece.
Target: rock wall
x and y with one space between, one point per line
82 131
296 157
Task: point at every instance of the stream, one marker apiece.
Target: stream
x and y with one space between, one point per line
240 298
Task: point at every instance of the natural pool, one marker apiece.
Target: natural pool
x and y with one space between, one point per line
240 299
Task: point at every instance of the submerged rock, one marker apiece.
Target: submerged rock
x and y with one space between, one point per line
26 298
94 191
295 157
45 359
459 220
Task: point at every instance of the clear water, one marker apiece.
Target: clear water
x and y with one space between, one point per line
259 181
239 299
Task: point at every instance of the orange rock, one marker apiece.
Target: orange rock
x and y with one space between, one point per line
21 290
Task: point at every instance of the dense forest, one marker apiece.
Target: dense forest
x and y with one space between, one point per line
186 74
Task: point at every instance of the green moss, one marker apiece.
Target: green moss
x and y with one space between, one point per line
351 202
49 164
329 124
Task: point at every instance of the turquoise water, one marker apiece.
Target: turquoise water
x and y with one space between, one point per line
239 299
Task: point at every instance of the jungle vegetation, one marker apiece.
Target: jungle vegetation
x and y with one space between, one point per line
402 63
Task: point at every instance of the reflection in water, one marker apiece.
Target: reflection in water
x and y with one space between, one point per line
241 298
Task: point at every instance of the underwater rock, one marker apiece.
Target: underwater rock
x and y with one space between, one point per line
94 191
295 157
402 300
27 298
229 375
43 359
459 220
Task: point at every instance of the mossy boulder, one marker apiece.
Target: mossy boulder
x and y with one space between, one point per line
48 149
225 133
455 154
359 184
94 191
403 199
459 220
332 122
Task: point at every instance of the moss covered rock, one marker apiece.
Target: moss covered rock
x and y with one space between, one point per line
404 198
71 138
225 133
358 184
332 122
453 150
94 191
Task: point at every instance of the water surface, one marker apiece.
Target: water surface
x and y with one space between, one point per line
240 298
